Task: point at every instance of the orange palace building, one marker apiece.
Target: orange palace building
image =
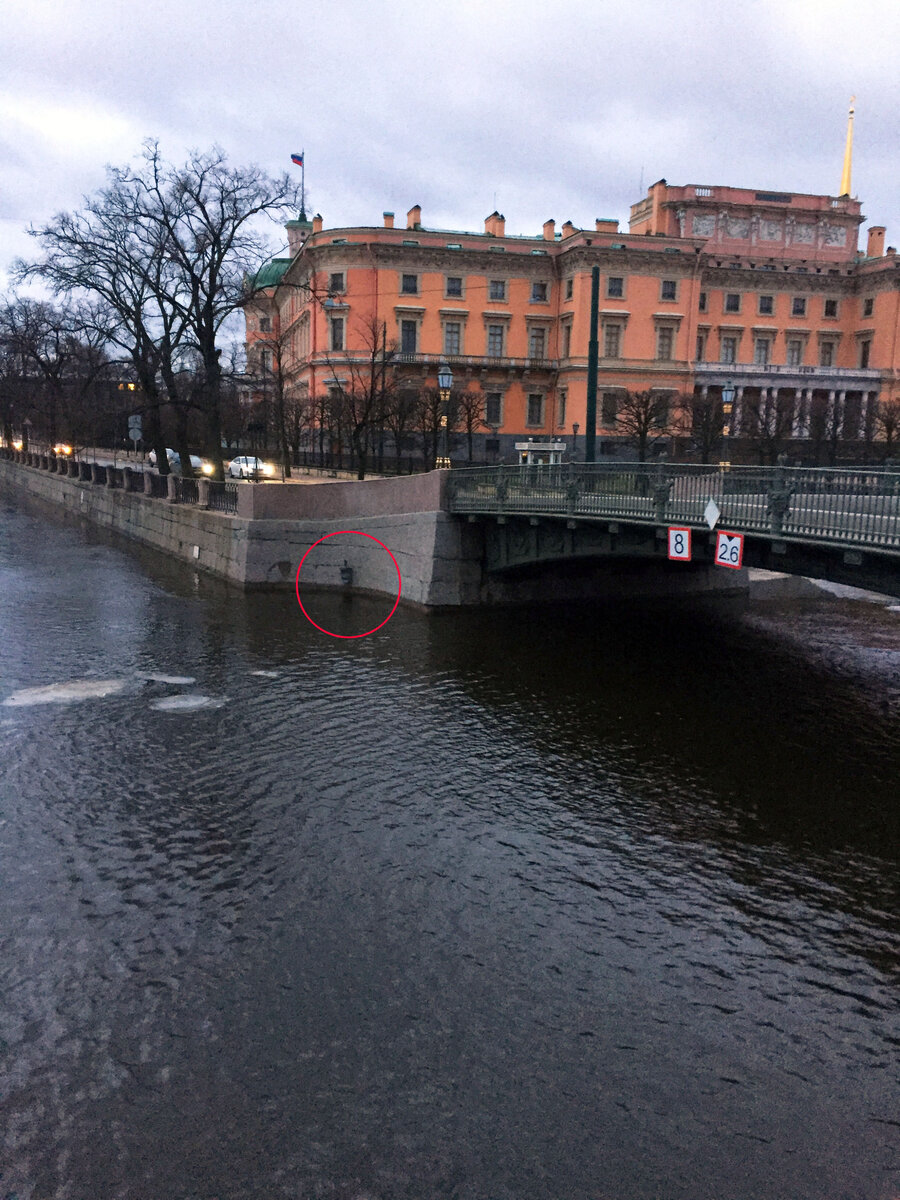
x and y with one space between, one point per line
765 292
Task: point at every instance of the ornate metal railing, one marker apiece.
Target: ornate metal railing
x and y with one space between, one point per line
223 497
858 507
186 490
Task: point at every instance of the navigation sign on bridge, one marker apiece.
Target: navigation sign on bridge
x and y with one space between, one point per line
729 550
680 543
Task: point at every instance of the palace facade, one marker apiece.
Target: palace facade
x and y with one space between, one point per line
711 288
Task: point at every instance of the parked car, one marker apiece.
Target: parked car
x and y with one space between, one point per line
197 463
248 467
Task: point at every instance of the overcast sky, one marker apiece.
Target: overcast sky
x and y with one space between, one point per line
541 108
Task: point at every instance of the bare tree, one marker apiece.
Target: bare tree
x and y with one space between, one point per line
700 420
400 415
167 248
644 418
887 422
364 384
767 422
469 406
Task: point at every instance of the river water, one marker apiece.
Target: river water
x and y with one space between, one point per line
580 904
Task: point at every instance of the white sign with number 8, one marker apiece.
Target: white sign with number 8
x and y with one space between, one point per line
679 543
729 550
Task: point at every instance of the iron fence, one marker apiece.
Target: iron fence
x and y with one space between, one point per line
186 490
856 506
159 486
223 497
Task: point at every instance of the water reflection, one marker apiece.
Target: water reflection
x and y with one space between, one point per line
570 903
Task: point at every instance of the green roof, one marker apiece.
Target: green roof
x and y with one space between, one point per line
270 274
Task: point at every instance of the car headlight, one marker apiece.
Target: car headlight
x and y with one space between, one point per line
268 469
207 468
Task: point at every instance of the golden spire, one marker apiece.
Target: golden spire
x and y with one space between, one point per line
848 153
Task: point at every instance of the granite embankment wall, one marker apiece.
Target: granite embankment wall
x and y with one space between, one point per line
261 545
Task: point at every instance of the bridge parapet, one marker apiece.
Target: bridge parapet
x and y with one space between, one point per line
859 507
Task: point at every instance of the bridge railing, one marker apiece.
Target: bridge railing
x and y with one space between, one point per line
858 506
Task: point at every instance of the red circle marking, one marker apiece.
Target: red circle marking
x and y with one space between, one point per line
321 628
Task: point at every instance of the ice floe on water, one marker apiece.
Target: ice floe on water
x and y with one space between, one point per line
65 693
174 680
190 702
266 674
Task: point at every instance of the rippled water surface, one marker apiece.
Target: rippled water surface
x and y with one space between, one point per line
569 904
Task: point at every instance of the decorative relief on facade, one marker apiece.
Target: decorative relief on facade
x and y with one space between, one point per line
679 216
834 235
770 231
737 227
803 232
703 225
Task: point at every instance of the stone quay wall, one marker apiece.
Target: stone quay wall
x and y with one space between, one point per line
262 543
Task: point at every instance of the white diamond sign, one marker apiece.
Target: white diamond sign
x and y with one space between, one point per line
711 513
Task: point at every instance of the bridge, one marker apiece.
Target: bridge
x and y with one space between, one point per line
841 525
499 534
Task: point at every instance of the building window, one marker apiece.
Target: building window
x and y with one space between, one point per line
794 352
661 413
868 306
561 397
535 409
701 347
864 348
729 350
536 339
668 290
732 302
337 333
495 341
265 324
497 289
408 337
831 308
454 285
612 341
615 287
409 285
538 293
566 339
826 354
570 288
665 342
761 351
452 337
701 303
766 306
493 408
266 361
608 409
336 283
798 306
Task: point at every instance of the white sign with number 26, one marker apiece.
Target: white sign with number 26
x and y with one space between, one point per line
729 550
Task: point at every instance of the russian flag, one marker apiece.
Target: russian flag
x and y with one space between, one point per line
297 159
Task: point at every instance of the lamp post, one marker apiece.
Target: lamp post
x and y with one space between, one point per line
575 428
445 383
728 394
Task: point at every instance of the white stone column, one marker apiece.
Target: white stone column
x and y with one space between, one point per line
797 414
807 411
736 411
829 414
841 408
863 432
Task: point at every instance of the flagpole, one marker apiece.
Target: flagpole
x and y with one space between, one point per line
303 184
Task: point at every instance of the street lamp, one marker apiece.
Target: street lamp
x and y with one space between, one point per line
445 383
728 394
575 428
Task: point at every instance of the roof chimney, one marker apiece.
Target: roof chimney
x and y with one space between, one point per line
607 225
875 247
495 224
568 229
388 220
414 217
549 231
317 223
